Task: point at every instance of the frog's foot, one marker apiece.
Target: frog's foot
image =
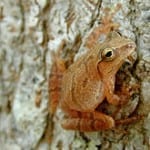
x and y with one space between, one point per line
90 121
114 100
118 100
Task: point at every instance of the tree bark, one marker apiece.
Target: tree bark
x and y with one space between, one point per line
29 31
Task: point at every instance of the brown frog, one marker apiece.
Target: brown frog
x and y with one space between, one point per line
90 80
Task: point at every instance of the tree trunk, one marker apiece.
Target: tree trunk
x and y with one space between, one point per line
29 31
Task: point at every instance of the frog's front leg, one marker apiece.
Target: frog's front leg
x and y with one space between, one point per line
111 97
88 121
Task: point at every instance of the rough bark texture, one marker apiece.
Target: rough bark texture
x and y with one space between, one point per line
29 30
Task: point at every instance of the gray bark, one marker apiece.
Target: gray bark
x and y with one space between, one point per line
29 31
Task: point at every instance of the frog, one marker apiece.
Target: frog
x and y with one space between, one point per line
90 80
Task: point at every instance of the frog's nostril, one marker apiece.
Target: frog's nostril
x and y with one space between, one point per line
131 45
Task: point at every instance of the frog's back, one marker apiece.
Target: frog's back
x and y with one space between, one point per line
82 88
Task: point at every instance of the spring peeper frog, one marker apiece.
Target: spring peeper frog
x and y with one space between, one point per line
90 80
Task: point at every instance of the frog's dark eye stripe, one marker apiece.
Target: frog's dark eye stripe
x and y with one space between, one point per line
108 54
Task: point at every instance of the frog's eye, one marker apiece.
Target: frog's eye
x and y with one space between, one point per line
108 54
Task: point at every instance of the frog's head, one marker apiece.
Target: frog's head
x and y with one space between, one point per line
113 52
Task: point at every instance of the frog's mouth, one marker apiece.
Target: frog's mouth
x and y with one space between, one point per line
131 59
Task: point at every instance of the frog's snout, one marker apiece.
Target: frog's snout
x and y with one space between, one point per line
131 45
130 48
133 55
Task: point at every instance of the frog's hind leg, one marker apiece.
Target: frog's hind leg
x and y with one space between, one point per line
90 121
55 78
